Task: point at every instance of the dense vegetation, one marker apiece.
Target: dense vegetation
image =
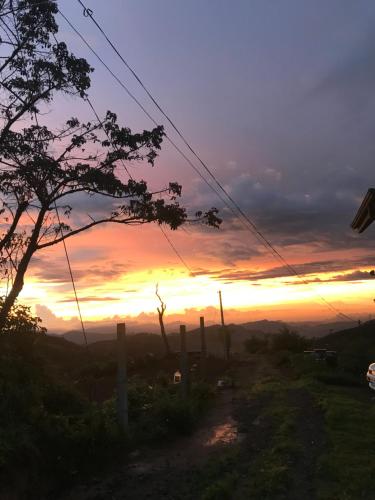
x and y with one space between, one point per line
58 411
308 425
284 340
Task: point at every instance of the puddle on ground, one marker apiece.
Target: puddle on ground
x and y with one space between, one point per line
226 433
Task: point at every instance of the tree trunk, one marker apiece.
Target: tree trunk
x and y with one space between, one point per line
15 291
21 271
164 336
7 238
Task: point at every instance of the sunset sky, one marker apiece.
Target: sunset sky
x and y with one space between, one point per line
278 98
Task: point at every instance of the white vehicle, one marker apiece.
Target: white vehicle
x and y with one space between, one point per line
371 376
225 383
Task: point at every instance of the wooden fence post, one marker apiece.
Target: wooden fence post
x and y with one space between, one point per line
203 348
122 380
184 366
225 331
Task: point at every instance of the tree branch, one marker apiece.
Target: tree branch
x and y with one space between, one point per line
130 221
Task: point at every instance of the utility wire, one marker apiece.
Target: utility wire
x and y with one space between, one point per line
129 175
179 256
87 99
69 265
176 251
132 96
67 260
89 13
72 279
251 225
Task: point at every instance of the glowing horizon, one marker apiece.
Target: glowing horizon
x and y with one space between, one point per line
286 128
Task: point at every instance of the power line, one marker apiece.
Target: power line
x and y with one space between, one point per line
176 251
132 96
72 278
130 176
179 256
87 99
244 218
89 13
254 229
67 260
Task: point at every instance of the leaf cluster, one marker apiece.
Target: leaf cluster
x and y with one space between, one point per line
21 320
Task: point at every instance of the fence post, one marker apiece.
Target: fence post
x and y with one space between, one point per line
203 348
122 381
184 368
225 331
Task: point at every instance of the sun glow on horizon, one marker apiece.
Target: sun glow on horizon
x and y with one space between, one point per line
134 293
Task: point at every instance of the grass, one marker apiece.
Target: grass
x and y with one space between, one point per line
271 473
343 467
220 475
346 466
243 473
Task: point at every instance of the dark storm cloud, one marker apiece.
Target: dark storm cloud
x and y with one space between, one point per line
327 266
58 272
353 80
229 249
288 129
320 216
317 147
348 277
354 276
91 299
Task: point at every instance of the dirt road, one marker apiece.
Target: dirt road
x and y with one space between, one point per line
185 468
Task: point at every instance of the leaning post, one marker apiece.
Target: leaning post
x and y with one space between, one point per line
225 331
122 380
203 348
184 368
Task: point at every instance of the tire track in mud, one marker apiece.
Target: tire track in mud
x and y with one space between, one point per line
238 422
167 472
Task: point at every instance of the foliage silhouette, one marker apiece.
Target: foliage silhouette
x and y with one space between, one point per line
45 173
21 320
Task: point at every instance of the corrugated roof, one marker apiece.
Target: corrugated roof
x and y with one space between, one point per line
366 212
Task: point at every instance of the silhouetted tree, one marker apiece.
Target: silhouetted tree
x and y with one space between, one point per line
161 311
44 171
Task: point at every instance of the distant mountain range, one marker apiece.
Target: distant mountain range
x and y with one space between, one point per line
239 332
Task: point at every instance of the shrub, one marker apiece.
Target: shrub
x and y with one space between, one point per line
256 344
158 411
288 340
339 378
20 319
52 433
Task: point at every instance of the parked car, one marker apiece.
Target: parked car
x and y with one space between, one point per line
371 376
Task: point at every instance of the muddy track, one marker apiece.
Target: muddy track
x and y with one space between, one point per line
310 436
238 422
167 472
